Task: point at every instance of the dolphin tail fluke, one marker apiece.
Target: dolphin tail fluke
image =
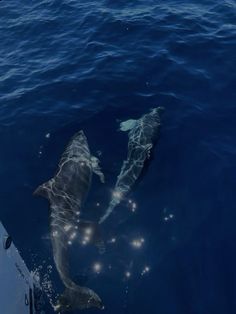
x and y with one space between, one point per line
90 232
77 297
44 189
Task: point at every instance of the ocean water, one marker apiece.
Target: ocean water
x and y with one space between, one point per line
71 65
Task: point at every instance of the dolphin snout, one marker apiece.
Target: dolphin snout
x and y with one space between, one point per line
81 133
157 110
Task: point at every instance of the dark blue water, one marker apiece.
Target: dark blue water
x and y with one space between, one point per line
70 65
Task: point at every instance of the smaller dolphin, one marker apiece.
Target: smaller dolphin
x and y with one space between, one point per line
142 136
66 193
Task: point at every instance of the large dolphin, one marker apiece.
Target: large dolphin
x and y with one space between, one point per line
142 136
66 192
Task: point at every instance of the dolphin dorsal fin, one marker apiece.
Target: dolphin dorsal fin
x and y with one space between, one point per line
127 125
148 148
96 168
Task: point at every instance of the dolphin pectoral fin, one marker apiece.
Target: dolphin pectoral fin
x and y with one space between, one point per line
97 169
127 125
90 232
44 189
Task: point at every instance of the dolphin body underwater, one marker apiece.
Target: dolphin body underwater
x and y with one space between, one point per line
142 135
66 192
